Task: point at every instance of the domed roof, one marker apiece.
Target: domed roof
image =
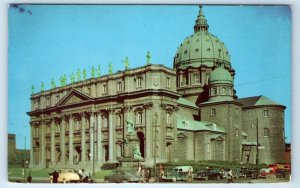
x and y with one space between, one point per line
220 75
200 47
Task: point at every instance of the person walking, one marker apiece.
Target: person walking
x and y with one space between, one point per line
55 176
190 175
230 176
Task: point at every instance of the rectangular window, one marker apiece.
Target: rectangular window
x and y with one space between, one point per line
213 112
139 82
236 112
236 132
197 78
104 89
266 132
48 102
168 82
119 86
266 113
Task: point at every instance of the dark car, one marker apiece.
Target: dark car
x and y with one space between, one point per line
248 172
122 177
209 174
281 173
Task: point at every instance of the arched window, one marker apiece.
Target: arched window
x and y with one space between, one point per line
169 115
223 91
213 112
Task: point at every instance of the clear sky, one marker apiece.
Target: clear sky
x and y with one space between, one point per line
47 41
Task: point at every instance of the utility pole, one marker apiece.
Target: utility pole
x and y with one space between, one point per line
257 151
155 135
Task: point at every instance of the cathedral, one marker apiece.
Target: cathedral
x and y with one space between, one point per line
156 114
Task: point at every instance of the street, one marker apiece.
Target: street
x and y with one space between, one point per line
239 180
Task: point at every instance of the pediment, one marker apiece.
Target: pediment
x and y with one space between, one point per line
182 136
74 96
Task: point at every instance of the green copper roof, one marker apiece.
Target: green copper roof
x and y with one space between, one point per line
256 101
186 102
220 75
192 125
202 46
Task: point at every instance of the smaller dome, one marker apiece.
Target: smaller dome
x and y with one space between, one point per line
220 75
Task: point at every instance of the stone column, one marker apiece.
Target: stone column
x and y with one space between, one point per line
99 139
111 145
83 150
62 140
52 142
148 124
43 145
71 150
92 137
127 117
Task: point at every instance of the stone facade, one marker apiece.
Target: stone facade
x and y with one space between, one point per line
154 114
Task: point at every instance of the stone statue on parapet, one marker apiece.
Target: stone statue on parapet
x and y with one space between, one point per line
61 81
84 74
32 89
136 152
42 86
126 63
110 68
98 71
78 75
148 56
130 126
72 78
93 72
65 79
53 84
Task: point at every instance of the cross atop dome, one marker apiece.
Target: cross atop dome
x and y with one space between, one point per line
201 22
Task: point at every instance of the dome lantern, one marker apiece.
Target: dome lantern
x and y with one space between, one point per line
201 22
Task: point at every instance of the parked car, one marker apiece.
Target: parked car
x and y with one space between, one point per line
236 173
281 173
178 173
68 176
265 172
248 172
120 176
209 174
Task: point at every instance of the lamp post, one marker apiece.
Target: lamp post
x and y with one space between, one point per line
257 151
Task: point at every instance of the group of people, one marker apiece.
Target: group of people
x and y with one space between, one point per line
144 174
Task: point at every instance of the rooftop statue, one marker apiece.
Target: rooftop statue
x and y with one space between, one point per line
126 63
42 86
61 81
72 78
98 71
84 74
65 79
110 69
148 56
93 72
53 84
78 75
32 89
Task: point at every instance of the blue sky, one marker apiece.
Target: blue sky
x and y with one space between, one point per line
47 41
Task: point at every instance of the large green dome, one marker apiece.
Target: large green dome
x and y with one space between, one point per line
201 48
220 75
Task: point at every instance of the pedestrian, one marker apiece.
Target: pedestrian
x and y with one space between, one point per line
55 176
230 176
29 178
161 175
143 175
148 175
85 176
190 175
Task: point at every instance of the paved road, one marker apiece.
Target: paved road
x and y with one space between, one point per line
240 180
